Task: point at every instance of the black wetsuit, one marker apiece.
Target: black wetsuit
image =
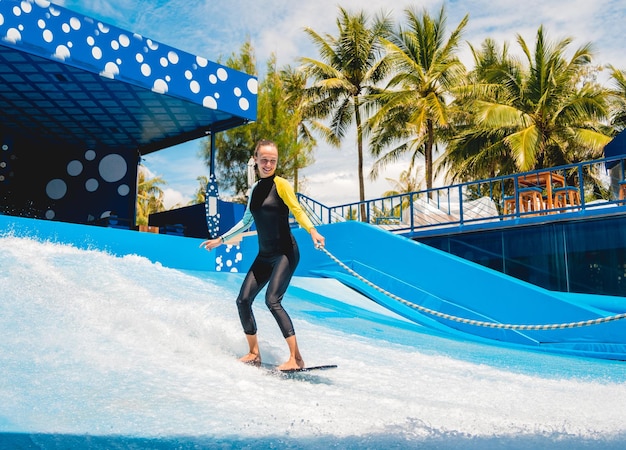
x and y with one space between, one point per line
277 259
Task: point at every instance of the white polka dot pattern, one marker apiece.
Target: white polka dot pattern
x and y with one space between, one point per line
54 32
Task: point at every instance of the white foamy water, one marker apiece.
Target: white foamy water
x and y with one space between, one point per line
101 351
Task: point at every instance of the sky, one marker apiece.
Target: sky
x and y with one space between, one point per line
215 29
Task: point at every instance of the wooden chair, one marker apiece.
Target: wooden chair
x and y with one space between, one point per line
566 197
509 205
622 190
531 199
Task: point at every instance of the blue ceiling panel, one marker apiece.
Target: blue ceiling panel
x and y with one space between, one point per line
85 83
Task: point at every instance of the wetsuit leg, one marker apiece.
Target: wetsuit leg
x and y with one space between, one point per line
284 267
256 278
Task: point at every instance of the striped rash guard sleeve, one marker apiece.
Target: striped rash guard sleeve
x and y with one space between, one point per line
286 193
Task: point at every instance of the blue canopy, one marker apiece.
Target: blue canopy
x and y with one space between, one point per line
82 100
74 78
616 147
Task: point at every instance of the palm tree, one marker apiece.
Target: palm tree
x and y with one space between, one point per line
406 184
200 195
351 65
618 116
294 87
472 152
280 118
414 106
149 196
545 113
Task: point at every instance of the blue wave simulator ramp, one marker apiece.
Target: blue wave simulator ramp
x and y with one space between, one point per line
415 276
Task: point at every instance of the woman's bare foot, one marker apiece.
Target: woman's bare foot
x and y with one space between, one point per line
254 355
292 364
254 359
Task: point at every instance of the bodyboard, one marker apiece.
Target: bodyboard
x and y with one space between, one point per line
274 368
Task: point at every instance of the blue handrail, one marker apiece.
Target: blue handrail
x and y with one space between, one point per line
477 202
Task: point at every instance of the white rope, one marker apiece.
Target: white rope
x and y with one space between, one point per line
478 323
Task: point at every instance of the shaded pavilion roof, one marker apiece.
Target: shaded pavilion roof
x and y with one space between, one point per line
71 80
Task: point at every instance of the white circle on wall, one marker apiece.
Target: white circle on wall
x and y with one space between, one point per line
222 74
91 185
159 86
111 68
253 85
124 40
90 155
50 214
209 102
47 36
74 168
75 23
56 189
62 52
172 57
96 52
123 190
112 168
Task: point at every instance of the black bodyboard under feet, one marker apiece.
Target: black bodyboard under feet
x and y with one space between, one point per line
274 368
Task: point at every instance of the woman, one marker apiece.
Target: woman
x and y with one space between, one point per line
270 201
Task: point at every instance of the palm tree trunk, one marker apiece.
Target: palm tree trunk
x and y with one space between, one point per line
359 144
428 154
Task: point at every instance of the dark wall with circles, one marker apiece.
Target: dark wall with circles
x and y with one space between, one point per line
80 185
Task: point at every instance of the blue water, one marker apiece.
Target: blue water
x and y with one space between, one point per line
99 351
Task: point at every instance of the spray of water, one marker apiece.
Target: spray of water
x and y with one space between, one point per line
118 350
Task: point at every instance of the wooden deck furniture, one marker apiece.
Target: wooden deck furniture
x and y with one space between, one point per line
544 180
622 190
566 197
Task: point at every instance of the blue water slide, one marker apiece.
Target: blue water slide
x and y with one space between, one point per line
404 269
412 273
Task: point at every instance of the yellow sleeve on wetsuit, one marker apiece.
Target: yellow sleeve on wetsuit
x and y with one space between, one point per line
285 191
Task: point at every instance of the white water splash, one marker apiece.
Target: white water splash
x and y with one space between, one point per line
123 352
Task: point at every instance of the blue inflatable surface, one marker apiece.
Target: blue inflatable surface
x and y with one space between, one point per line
416 274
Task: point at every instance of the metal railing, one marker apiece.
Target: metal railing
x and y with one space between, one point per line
486 201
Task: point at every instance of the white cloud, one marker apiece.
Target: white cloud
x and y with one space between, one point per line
172 197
